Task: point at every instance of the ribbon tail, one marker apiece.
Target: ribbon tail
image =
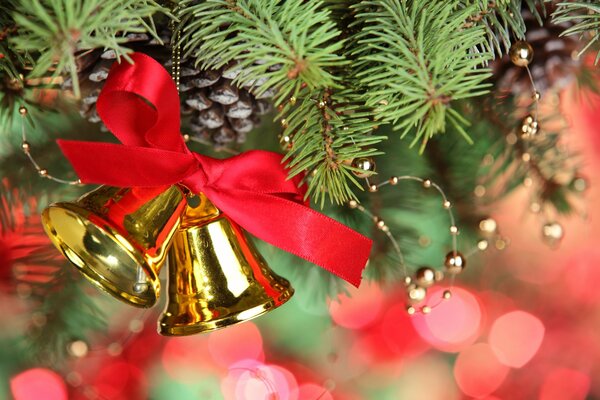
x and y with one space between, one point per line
297 229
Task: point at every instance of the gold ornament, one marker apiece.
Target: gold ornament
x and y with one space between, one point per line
488 227
118 237
529 128
455 262
365 167
216 276
447 294
416 293
425 277
552 233
23 111
521 53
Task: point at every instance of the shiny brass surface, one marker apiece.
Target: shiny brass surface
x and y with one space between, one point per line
117 236
216 276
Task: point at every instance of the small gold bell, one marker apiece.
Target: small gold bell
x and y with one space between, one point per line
216 276
118 237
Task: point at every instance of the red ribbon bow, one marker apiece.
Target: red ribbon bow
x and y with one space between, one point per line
140 105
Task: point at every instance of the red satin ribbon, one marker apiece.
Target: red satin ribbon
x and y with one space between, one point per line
140 105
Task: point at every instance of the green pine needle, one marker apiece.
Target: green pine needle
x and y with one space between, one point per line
56 31
415 58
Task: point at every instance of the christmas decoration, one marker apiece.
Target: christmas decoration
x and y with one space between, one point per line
499 157
556 55
99 238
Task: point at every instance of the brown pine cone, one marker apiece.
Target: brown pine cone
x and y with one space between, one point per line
218 111
554 61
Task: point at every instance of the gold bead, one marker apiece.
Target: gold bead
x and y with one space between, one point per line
293 100
353 204
425 309
322 104
479 191
521 53
454 230
393 180
455 262
580 184
482 245
284 123
500 244
286 142
407 280
416 293
25 146
446 204
447 294
380 224
537 95
43 172
23 111
526 157
425 277
410 310
488 226
529 127
511 139
426 183
78 348
186 137
365 167
373 188
552 233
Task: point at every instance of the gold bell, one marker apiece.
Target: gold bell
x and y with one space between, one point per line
216 276
118 237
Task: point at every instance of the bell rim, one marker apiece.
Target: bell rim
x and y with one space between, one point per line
227 321
90 273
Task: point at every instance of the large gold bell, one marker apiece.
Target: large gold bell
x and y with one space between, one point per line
216 276
118 237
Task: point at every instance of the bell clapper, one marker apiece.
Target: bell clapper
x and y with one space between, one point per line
140 286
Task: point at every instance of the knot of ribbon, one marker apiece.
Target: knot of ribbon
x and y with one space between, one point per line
139 104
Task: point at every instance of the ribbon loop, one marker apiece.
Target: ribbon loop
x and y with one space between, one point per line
140 105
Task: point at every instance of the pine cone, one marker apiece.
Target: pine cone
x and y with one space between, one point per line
553 62
218 112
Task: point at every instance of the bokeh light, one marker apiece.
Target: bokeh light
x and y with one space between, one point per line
38 383
515 337
183 358
478 372
313 391
358 310
237 342
250 379
120 380
453 324
565 384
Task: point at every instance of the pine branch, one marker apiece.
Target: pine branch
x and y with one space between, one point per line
585 14
415 59
64 314
56 31
502 21
325 133
294 41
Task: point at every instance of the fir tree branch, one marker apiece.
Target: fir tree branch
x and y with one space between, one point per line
585 14
502 21
414 58
294 41
326 132
55 31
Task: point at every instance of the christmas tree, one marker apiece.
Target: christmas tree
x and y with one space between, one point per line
412 122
